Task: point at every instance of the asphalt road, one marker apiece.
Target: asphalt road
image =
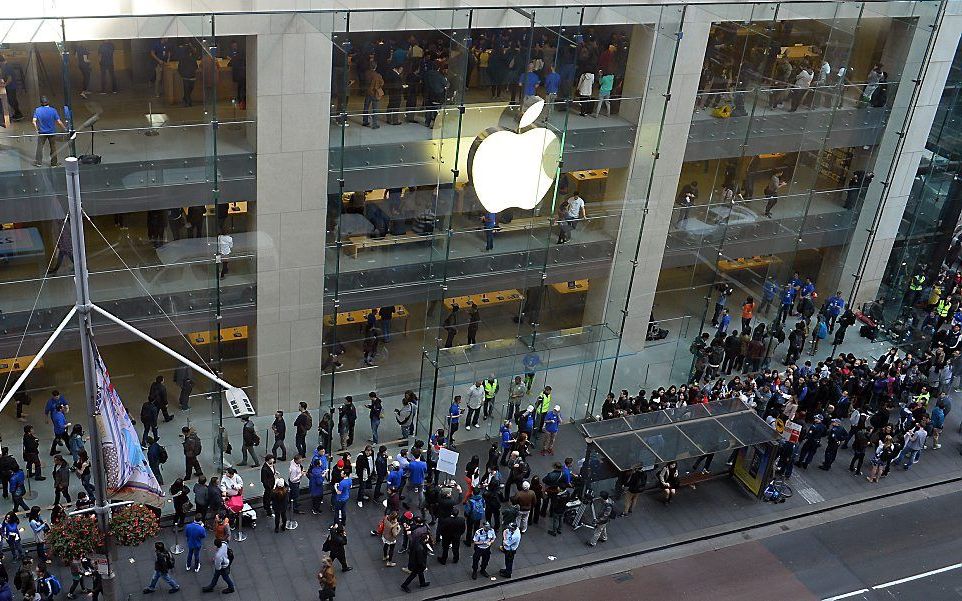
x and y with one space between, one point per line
908 552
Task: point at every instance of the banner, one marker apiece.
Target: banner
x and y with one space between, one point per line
129 477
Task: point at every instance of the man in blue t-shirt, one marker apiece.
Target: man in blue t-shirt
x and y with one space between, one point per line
454 414
528 83
342 493
9 77
834 307
45 121
159 55
552 85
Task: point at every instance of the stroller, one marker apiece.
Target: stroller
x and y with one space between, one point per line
654 332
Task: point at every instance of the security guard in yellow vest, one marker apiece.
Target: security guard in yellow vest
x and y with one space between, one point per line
942 309
915 287
542 406
923 399
490 391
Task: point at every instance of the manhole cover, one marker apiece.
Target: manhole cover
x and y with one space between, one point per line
623 577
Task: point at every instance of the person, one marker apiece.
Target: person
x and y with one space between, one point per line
938 422
404 415
159 54
510 541
158 395
40 528
364 470
346 419
586 83
748 311
81 467
194 534
31 453
373 92
914 442
61 479
389 528
668 481
295 473
187 69
475 403
342 492
105 52
326 580
834 306
221 563
280 500
221 527
571 210
375 408
552 422
163 564
450 530
836 436
192 450
238 71
47 585
483 538
634 486
527 502
250 439
606 83
454 416
18 489
45 122
268 477
335 545
315 476
279 430
600 532
77 568
60 424
9 78
771 191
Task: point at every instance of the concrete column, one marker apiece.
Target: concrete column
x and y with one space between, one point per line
913 41
290 90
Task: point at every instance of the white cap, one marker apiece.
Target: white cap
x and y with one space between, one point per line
557 407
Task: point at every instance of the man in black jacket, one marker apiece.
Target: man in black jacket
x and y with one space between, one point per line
31 453
158 396
250 440
394 88
148 418
268 477
279 429
302 425
450 530
8 466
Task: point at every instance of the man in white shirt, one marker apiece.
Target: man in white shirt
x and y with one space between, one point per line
803 81
821 81
475 402
294 474
231 484
571 210
585 85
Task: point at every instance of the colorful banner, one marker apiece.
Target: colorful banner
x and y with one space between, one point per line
129 477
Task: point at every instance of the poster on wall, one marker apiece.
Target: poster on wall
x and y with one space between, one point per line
751 467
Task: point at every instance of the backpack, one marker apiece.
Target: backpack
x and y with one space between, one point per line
230 556
54 584
476 509
169 561
162 455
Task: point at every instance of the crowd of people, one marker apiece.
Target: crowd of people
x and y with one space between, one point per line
423 73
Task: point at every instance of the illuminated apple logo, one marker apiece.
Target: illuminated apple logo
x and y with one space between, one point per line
511 169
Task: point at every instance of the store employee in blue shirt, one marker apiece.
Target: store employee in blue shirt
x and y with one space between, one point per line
159 55
45 121
454 413
552 84
528 82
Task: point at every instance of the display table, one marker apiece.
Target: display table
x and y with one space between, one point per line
497 297
574 287
359 317
748 263
173 84
226 335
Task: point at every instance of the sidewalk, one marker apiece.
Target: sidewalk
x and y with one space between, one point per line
272 566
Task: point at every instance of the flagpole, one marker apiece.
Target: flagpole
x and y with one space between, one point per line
83 304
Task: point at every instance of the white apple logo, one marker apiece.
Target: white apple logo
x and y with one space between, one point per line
507 169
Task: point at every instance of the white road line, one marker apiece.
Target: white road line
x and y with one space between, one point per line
847 595
806 490
919 576
896 582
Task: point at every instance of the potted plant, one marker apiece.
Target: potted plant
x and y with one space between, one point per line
133 524
75 537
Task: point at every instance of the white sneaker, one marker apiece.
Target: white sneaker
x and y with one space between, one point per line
360 504
467 427
197 569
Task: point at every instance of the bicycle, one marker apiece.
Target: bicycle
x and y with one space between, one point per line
777 491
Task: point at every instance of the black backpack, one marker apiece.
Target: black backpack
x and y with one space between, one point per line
162 456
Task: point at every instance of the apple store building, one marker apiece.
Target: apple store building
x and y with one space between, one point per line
414 202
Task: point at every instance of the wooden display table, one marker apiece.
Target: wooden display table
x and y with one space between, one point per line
226 335
571 287
748 263
15 364
360 316
497 297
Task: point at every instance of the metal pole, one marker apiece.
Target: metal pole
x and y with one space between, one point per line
101 508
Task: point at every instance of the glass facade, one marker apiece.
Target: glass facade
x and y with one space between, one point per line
324 204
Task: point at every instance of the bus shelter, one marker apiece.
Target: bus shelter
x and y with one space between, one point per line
620 445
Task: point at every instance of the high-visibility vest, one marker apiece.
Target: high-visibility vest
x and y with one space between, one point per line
490 388
942 308
544 402
917 282
924 398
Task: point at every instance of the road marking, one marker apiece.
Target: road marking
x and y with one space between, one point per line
806 490
896 582
919 576
847 595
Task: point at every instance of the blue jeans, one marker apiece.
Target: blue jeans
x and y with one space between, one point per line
193 557
221 573
295 489
489 239
157 576
911 456
374 426
385 332
16 547
340 510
